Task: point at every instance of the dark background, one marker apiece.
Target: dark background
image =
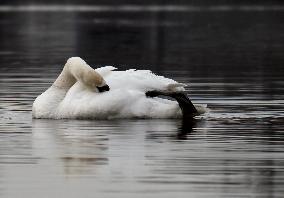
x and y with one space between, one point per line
234 41
147 2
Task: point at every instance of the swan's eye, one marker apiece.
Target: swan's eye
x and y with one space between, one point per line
103 88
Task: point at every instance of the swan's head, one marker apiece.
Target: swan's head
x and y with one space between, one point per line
85 74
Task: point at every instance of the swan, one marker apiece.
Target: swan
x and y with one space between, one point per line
81 92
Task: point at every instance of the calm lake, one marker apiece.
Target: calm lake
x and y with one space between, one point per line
231 58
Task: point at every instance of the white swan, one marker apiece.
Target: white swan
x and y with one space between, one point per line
76 94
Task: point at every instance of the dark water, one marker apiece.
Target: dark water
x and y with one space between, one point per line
233 62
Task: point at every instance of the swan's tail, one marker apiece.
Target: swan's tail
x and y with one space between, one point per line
187 108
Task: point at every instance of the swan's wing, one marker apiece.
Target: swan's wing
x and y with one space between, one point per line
141 80
156 82
106 70
176 87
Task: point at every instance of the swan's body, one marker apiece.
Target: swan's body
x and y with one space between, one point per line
74 94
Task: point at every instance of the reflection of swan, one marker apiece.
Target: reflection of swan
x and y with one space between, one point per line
70 148
82 92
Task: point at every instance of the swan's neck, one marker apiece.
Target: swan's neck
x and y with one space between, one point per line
65 80
76 69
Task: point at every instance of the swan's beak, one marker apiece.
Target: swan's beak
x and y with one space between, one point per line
103 88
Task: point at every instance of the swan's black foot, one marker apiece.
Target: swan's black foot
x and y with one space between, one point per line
103 88
187 108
